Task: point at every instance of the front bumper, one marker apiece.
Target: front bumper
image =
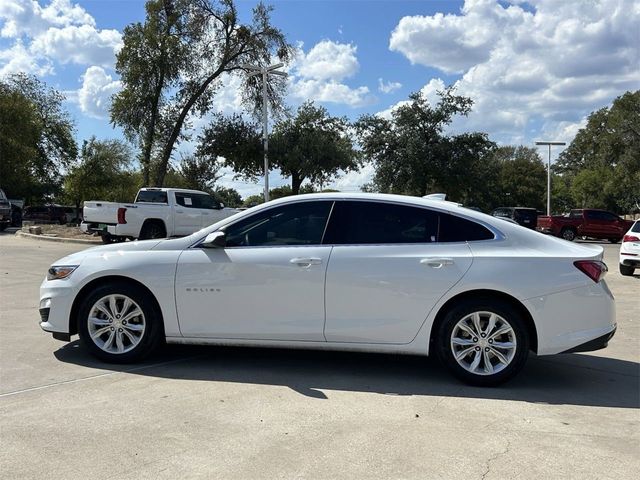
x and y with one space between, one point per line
595 344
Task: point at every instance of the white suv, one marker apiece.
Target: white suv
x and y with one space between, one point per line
630 250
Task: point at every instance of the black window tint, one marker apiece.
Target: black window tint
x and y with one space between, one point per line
456 229
381 223
299 224
151 196
186 200
202 200
636 227
577 214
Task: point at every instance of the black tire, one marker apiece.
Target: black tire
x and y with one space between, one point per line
3 226
614 240
151 337
569 234
153 229
626 270
444 348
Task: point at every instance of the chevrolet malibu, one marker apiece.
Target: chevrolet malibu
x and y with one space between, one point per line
367 272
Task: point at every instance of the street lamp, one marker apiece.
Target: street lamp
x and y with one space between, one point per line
265 71
549 173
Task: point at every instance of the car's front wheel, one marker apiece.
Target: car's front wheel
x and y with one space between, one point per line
484 343
120 323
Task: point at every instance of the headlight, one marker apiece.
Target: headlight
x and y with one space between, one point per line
59 272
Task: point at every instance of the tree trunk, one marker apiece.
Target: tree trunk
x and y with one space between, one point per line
296 181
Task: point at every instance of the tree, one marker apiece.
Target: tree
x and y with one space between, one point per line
211 43
103 172
199 173
522 177
36 138
311 146
409 151
602 163
149 63
229 196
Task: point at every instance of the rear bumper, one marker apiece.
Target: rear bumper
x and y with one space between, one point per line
595 344
101 228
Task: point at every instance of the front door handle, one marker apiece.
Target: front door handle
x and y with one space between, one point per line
437 262
305 261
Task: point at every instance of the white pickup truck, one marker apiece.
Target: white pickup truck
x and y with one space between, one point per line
155 213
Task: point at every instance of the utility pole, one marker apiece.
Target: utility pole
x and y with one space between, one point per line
549 173
265 72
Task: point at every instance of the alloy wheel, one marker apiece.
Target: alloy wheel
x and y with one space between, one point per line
116 324
483 343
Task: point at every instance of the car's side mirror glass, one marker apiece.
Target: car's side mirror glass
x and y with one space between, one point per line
215 240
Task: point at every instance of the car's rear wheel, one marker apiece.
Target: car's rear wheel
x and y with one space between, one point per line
120 323
627 270
484 343
614 240
568 234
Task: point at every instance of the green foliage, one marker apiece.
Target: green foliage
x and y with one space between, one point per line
173 65
312 146
103 172
410 153
229 196
36 138
602 164
199 173
253 200
522 180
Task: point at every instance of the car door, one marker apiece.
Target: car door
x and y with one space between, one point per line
387 271
188 217
267 283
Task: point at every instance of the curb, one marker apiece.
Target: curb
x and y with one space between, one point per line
57 239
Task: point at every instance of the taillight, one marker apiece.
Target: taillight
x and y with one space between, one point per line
121 215
630 238
592 268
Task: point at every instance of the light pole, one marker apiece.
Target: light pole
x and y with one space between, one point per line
265 72
549 173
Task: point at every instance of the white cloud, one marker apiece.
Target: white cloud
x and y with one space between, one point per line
82 44
94 97
18 59
27 17
530 72
320 73
328 60
388 87
60 33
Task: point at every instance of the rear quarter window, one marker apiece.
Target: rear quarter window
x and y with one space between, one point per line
457 229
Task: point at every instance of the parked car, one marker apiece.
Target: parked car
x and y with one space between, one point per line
155 213
72 214
527 217
630 250
591 223
45 214
368 272
5 211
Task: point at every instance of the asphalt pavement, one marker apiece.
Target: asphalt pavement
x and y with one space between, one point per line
209 412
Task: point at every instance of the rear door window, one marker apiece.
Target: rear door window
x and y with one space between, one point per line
361 223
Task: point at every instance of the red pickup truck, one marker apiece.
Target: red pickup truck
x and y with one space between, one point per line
585 223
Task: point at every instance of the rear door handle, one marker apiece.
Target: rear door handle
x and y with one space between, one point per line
305 261
437 262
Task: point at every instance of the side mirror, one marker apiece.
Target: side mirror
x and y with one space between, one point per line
215 240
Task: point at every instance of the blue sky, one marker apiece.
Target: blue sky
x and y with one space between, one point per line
534 69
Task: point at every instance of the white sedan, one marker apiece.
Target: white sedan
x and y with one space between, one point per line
630 250
368 272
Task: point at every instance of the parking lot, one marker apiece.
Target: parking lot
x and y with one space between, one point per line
196 412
